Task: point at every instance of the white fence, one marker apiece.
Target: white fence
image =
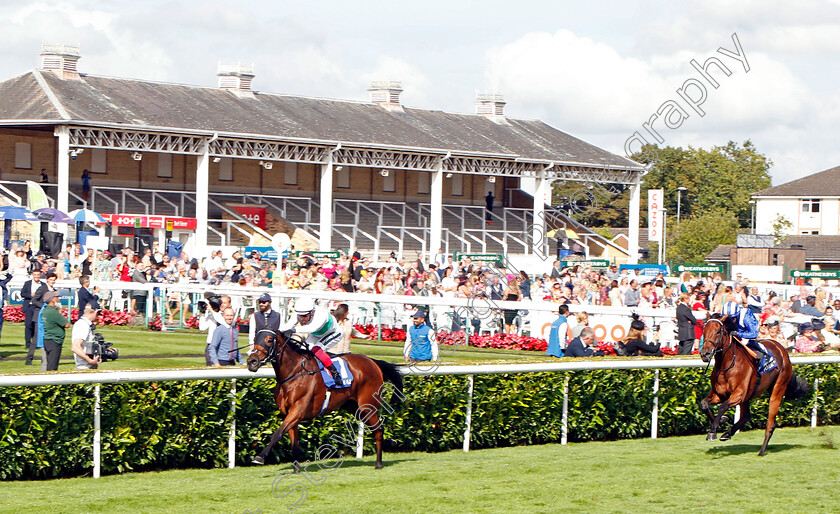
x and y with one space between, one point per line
116 377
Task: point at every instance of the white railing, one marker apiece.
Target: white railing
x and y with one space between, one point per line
115 377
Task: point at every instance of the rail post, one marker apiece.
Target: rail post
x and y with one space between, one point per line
816 402
654 414
470 381
97 433
232 436
564 434
360 441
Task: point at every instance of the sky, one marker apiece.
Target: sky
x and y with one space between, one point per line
596 70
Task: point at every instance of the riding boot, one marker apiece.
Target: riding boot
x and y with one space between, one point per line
753 345
335 374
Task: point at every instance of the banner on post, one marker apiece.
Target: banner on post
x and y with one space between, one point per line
655 197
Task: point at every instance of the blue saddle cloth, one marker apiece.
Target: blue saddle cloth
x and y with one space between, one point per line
768 362
343 370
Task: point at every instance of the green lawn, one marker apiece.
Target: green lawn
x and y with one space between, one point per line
799 474
185 348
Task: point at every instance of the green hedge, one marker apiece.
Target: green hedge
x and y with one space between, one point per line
47 431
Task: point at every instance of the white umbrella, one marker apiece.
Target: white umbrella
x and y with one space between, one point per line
87 216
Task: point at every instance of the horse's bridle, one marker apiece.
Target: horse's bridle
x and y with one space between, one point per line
718 349
270 352
272 356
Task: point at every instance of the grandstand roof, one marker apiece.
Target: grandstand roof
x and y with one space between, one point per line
91 99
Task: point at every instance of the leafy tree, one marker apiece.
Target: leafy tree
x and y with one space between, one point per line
722 178
696 237
781 229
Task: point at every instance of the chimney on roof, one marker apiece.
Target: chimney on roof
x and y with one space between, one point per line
491 105
236 78
386 93
61 60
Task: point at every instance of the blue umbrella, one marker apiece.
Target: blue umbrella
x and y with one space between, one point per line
53 215
14 212
87 216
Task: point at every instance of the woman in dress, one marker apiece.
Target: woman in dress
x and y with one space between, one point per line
347 330
512 294
634 344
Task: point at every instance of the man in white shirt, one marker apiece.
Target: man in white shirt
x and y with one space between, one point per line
211 319
214 262
82 333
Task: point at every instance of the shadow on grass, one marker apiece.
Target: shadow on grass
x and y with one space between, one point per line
740 449
349 462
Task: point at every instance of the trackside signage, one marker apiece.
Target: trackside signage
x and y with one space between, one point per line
702 268
811 273
594 263
480 257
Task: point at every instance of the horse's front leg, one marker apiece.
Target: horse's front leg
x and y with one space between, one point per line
745 416
712 435
291 420
707 402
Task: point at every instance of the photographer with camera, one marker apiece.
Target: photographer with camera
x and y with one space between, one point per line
82 339
210 316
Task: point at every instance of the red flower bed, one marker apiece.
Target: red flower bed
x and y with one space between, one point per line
607 348
14 314
388 334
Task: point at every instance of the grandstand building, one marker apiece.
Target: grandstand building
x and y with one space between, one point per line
245 164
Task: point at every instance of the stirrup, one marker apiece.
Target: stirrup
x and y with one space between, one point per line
335 374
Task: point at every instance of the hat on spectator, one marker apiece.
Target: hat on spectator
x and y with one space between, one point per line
817 323
637 323
419 314
49 295
264 298
805 327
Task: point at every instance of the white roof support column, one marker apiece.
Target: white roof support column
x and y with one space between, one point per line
542 196
436 210
633 226
325 226
202 199
62 201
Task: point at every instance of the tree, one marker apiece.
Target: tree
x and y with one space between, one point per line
781 229
722 178
696 237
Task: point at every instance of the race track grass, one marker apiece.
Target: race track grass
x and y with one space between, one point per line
798 474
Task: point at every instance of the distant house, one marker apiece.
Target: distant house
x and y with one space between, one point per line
811 204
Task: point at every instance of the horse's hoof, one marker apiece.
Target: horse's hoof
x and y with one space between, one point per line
378 465
258 460
711 437
725 437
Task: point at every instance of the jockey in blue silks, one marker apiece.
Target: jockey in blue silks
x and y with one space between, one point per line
747 323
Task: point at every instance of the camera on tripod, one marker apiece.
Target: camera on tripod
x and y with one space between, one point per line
101 348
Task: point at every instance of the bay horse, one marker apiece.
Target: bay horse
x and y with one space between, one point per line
300 392
735 379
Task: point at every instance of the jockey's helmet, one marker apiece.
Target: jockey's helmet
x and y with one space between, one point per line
304 306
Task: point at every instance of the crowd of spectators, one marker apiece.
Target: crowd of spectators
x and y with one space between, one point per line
442 276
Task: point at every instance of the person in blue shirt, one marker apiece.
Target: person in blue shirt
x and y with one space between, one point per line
557 334
420 342
746 326
224 343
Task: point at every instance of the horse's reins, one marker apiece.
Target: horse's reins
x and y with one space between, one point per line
271 356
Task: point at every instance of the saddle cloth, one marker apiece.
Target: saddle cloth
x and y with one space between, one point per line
343 370
768 362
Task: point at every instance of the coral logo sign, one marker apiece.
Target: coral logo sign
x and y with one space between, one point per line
655 197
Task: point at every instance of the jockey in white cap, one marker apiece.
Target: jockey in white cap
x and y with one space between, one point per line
323 330
747 323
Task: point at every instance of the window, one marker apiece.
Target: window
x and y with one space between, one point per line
342 176
164 165
809 232
290 177
226 169
98 160
457 185
23 156
423 183
389 183
811 205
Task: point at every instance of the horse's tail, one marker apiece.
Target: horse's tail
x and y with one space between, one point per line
392 374
796 388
